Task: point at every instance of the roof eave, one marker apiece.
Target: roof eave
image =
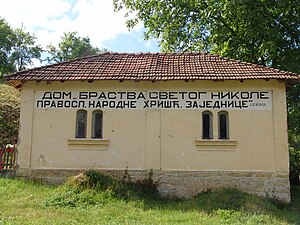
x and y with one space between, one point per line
16 83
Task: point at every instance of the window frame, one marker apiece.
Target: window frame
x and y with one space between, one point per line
209 127
77 124
93 135
223 129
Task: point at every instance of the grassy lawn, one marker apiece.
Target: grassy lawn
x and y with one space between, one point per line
25 202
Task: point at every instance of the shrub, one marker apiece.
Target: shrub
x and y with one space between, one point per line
93 187
9 114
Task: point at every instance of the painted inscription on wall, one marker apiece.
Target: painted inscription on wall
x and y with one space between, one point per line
247 100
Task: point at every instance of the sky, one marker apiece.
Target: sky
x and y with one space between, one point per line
49 19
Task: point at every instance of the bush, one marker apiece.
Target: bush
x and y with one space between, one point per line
95 188
294 153
9 114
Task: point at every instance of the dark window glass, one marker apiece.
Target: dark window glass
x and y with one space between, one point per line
207 125
81 124
97 124
223 125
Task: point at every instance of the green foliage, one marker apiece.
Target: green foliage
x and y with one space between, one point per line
293 100
71 46
259 31
229 206
9 114
17 48
294 165
98 180
7 38
24 49
24 202
124 189
75 198
95 188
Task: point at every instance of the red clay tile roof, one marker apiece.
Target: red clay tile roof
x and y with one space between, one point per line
152 66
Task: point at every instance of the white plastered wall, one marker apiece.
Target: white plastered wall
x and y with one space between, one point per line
155 138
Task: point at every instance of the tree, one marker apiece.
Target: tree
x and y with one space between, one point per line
71 46
24 49
293 100
17 48
259 31
6 42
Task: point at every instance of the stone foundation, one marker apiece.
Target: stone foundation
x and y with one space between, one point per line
185 184
8 173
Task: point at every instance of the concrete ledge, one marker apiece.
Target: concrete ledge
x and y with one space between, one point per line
186 184
88 144
215 145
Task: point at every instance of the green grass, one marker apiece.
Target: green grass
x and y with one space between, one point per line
112 202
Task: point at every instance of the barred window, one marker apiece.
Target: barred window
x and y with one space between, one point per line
81 122
207 125
97 124
223 125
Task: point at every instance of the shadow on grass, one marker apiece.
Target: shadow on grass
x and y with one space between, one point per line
93 188
233 200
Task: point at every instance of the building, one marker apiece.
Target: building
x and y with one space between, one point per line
198 121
